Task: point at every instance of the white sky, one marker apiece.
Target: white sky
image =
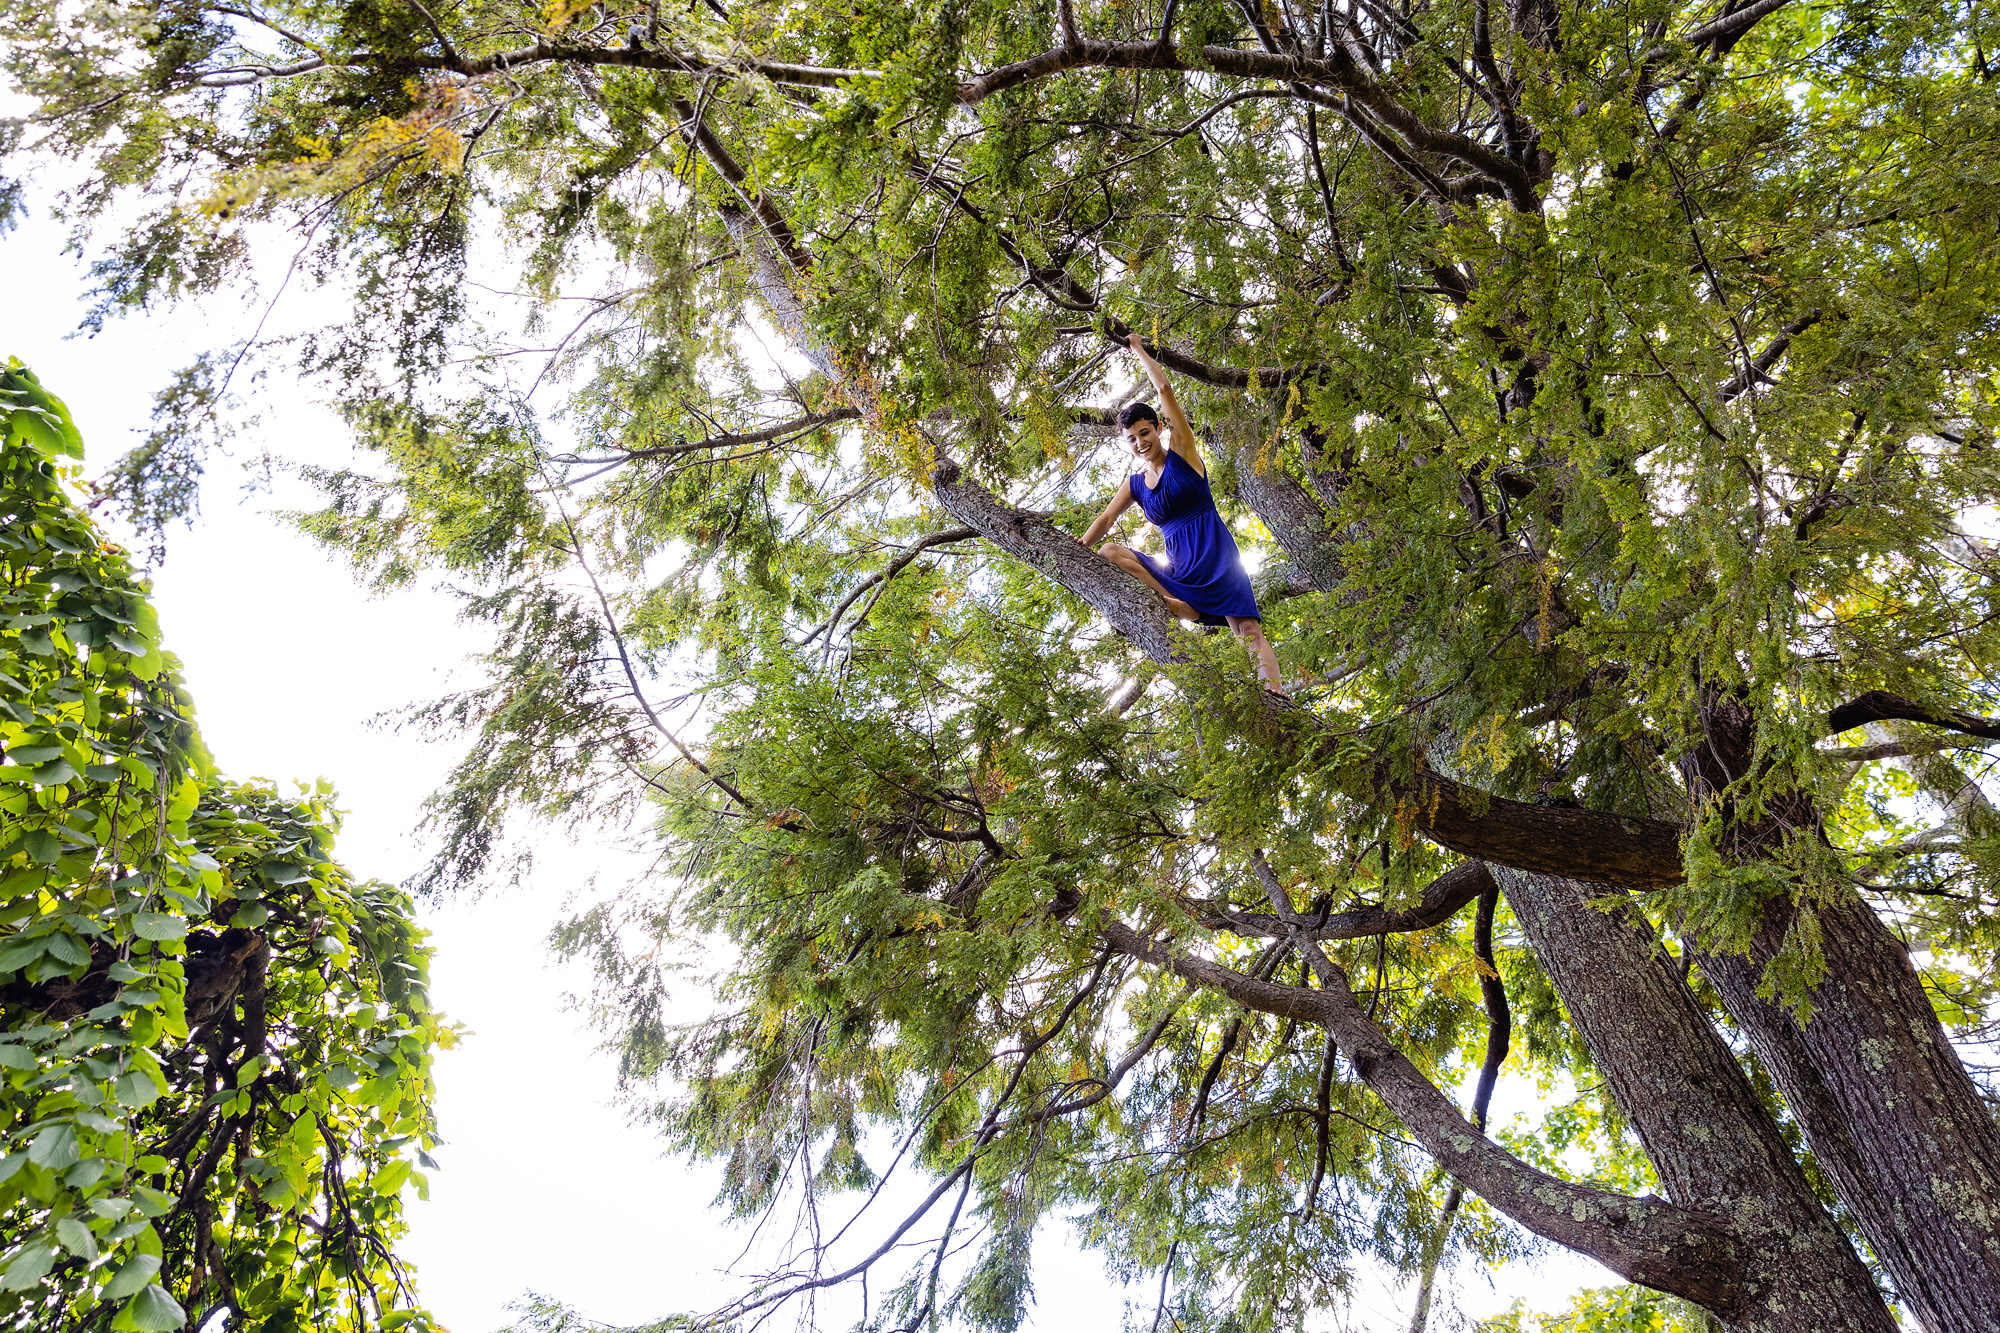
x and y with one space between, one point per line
543 1185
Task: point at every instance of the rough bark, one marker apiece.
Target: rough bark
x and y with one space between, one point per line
1710 1139
1591 845
1294 516
1886 1105
1888 1110
1880 706
1133 609
215 967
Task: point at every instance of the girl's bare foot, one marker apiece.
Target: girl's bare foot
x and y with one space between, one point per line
1182 609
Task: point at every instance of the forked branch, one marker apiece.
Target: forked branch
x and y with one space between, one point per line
1578 844
1672 1249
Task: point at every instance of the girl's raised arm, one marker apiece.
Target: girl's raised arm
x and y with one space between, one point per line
1182 441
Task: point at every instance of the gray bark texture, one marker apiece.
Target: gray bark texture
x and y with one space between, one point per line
1294 515
1888 1110
1886 1105
1708 1136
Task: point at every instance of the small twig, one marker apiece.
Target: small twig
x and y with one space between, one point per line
444 42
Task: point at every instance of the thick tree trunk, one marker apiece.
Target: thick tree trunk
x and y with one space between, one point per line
1294 516
1886 1105
1889 1111
1709 1137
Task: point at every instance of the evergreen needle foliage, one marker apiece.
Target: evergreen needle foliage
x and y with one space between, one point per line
1606 391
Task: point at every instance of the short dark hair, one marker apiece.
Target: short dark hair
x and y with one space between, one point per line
1132 412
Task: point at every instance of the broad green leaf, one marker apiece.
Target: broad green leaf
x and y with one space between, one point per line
136 1090
154 1311
392 1177
152 1202
55 1148
55 773
76 1238
91 1169
134 1274
158 926
28 1266
66 948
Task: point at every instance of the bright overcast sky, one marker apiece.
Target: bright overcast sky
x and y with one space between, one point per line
543 1186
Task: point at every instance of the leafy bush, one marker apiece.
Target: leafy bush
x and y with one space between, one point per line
215 1045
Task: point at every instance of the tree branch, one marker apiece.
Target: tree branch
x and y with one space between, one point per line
1767 358
1647 1240
1133 609
1863 754
1336 70
893 568
1590 845
1731 27
1062 288
1442 899
1881 706
568 53
731 439
1579 844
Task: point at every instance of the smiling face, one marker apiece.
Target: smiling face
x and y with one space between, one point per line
1147 444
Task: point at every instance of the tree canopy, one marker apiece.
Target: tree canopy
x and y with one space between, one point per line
215 1044
1606 393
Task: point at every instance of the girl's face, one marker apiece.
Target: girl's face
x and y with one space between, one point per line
1144 437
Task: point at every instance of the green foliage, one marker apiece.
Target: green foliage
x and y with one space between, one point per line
215 1044
540 1314
1606 1310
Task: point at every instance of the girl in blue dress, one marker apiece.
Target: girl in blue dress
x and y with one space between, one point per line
1204 579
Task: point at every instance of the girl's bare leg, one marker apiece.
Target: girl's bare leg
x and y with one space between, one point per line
1251 631
1125 558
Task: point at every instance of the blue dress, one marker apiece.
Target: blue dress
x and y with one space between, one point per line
1206 572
